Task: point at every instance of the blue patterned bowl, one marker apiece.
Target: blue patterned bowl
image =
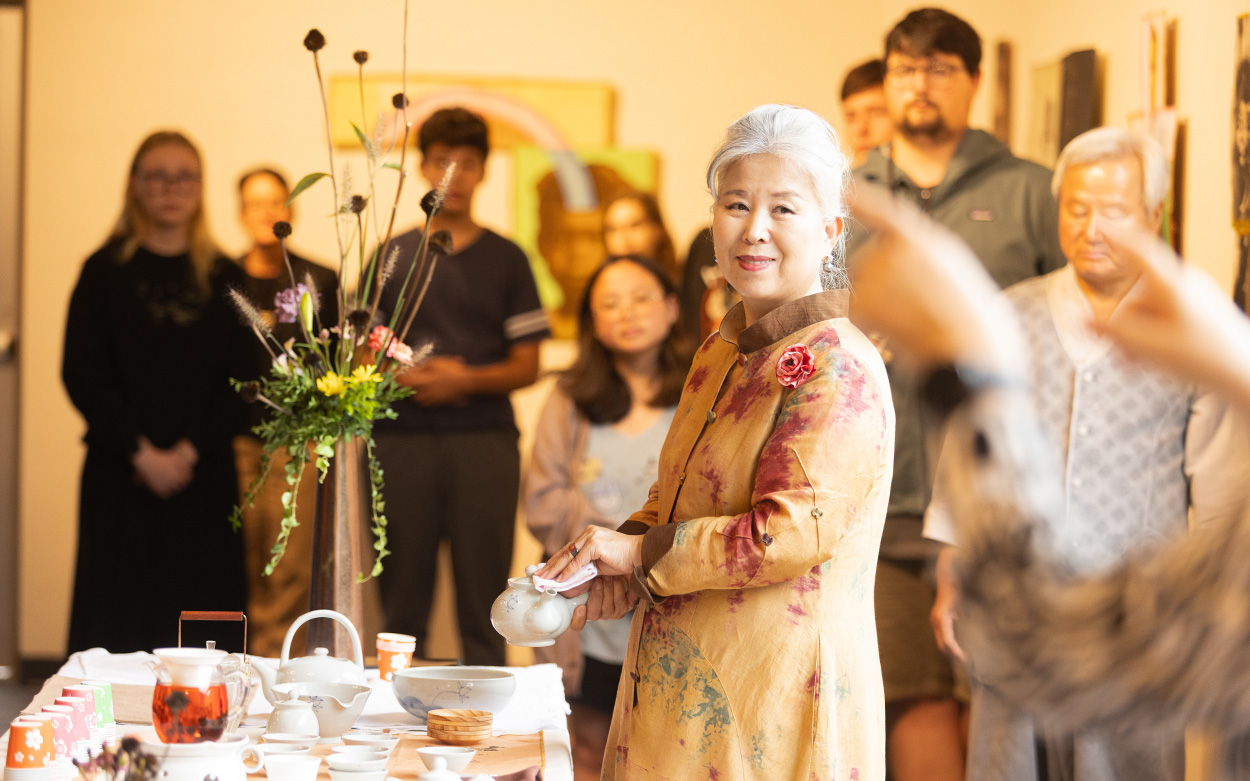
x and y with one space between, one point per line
423 689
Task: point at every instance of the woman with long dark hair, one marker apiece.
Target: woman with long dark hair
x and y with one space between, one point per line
150 345
596 454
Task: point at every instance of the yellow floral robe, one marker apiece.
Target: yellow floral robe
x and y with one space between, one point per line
753 654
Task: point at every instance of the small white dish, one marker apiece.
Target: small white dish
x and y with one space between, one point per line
374 739
290 739
292 767
360 752
294 749
355 763
457 757
349 775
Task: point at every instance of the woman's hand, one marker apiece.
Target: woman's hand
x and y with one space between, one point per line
610 598
1178 318
921 286
164 472
612 552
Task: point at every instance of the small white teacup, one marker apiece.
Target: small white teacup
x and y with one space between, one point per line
291 767
457 757
356 762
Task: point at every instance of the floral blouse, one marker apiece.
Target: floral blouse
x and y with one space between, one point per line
753 654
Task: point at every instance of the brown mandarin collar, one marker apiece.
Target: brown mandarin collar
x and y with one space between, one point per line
784 320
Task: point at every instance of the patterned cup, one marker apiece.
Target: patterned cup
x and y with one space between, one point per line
104 710
30 745
81 726
93 710
62 734
62 766
394 653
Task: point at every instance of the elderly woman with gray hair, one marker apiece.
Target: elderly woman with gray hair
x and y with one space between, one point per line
753 654
1087 614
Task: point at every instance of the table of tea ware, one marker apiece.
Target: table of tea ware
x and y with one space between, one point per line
319 667
530 730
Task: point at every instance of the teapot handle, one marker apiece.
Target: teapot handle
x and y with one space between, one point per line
342 619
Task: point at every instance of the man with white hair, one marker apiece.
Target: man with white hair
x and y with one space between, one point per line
1142 451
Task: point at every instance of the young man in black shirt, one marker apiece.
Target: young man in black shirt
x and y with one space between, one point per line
451 459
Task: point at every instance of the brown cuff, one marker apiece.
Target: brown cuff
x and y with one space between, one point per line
655 543
638 585
633 527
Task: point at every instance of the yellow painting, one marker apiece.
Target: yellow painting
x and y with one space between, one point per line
549 114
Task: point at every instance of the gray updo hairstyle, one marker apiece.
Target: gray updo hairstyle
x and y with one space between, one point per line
806 141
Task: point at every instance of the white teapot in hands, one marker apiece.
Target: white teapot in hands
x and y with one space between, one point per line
524 615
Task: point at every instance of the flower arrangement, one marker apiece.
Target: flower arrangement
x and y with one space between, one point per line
126 762
333 382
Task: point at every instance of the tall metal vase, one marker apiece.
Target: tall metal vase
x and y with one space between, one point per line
342 511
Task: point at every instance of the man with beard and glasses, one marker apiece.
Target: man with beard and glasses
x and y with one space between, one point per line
1002 207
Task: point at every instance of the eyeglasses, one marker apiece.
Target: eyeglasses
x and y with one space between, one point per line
183 181
938 74
613 306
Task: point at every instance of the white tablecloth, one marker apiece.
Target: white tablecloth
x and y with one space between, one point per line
538 703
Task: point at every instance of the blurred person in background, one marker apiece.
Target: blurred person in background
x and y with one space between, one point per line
1002 207
151 343
274 601
596 454
633 225
1143 455
868 123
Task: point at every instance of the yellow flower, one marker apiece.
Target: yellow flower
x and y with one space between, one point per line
366 373
331 384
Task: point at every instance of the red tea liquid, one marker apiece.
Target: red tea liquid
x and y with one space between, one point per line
183 714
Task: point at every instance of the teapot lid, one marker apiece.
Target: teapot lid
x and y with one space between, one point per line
439 772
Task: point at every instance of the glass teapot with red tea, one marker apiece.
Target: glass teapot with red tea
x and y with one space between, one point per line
192 702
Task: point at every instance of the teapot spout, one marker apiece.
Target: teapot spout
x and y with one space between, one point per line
268 677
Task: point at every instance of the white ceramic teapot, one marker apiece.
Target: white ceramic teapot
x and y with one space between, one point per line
320 667
526 616
222 759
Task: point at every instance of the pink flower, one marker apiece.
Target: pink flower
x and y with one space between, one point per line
400 352
397 349
378 337
794 366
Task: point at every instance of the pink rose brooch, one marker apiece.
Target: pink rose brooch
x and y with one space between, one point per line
794 366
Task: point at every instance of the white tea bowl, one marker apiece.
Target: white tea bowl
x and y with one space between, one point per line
420 690
457 757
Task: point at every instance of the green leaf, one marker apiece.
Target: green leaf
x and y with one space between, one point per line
370 150
304 184
392 166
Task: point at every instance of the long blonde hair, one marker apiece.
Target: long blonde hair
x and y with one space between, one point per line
133 226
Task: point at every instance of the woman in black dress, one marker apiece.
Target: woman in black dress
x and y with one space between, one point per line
149 347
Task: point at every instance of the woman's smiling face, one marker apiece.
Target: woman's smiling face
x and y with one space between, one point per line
769 232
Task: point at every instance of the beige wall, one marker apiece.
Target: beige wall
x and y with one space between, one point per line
233 74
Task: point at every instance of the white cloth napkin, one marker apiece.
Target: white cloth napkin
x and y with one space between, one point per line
583 575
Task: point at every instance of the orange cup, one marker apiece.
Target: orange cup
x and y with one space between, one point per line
394 653
30 745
